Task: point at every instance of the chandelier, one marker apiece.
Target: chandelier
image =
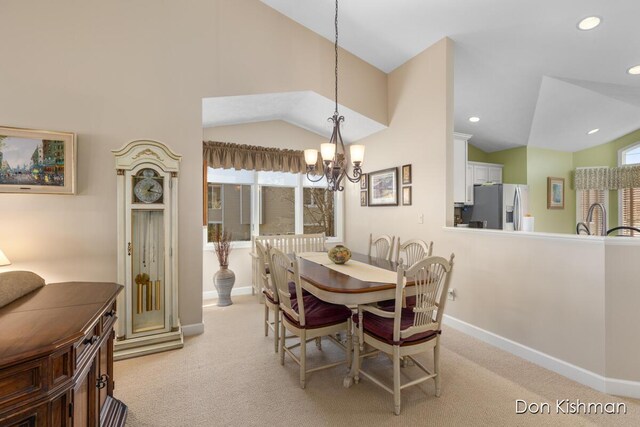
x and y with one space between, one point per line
336 162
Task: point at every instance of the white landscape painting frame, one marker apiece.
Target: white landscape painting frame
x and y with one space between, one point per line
383 187
37 161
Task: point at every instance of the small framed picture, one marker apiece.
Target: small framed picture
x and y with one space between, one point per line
363 182
406 196
406 174
555 193
363 198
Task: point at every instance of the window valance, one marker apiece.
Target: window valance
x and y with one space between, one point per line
239 156
608 178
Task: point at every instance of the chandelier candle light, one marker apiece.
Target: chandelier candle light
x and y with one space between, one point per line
334 155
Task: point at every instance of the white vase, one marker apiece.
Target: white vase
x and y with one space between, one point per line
224 280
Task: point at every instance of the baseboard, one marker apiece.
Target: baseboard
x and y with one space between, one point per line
244 290
623 388
576 373
193 329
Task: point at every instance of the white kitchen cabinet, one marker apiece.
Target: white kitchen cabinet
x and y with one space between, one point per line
478 173
460 175
495 173
486 172
469 186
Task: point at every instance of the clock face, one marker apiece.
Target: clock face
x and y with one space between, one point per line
148 189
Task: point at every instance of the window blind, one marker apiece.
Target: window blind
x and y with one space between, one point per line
631 209
589 197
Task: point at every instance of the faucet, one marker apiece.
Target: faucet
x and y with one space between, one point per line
603 217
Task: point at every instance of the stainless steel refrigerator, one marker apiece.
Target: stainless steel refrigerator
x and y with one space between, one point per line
502 206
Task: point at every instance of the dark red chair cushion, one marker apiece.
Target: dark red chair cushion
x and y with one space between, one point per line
390 304
318 313
268 296
292 291
382 328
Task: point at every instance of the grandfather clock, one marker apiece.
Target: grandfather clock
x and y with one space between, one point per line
147 181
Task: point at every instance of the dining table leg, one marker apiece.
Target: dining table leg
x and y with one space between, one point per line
353 372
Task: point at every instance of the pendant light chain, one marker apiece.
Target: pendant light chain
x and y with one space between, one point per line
337 161
336 49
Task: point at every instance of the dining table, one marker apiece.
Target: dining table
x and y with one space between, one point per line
340 284
362 280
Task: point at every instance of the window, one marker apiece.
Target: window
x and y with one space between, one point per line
278 213
251 203
584 199
629 198
229 208
319 211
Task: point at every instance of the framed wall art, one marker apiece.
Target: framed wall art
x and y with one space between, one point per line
555 193
406 196
363 198
363 182
383 187
37 161
406 174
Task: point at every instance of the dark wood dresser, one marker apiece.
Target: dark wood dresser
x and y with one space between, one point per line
56 357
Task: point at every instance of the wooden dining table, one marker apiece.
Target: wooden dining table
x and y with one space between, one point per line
339 288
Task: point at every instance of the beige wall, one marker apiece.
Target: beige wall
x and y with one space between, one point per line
622 314
118 71
547 294
419 110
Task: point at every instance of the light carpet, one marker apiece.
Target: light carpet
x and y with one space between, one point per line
230 376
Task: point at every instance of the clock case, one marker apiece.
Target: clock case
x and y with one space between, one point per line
147 252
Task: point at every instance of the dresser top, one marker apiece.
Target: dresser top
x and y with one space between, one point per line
51 317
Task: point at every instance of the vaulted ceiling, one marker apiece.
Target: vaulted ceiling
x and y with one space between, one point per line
523 68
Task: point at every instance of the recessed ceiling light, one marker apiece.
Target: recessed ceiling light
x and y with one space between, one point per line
592 131
474 119
589 23
635 70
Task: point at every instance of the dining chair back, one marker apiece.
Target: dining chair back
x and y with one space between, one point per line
284 270
383 246
306 316
431 282
405 331
263 262
271 299
412 250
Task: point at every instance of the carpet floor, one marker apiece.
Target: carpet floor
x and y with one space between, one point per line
230 376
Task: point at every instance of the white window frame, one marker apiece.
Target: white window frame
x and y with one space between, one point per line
622 162
300 184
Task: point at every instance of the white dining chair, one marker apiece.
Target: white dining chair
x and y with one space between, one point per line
306 316
405 332
412 251
383 246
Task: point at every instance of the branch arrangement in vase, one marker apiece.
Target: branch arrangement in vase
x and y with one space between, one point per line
222 244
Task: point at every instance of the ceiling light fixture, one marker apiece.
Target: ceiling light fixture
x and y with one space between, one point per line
634 71
474 119
334 155
592 131
589 23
